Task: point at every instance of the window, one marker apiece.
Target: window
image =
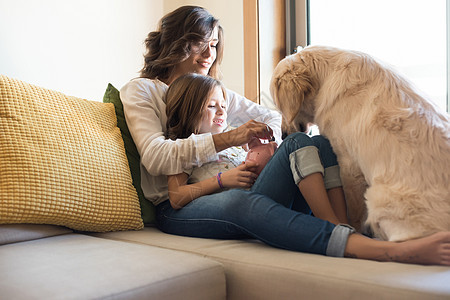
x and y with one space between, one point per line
410 35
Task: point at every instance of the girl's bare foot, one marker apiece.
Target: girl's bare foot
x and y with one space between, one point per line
430 250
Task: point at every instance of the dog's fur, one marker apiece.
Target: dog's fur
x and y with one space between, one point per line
393 146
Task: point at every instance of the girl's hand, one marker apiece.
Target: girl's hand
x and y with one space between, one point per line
240 177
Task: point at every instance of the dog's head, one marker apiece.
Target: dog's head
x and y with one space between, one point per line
293 87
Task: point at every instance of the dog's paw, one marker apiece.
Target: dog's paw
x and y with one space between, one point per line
394 230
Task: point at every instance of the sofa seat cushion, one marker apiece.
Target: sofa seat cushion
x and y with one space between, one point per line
257 271
75 266
14 233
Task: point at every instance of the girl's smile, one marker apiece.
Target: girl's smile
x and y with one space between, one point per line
215 114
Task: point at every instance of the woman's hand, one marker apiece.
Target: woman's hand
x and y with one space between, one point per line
242 176
253 129
242 135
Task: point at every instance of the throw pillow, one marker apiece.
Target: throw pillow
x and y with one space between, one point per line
112 95
62 162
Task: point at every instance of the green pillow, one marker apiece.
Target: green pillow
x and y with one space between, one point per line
147 208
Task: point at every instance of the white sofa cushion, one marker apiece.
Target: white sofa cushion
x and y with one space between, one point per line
14 233
258 271
75 266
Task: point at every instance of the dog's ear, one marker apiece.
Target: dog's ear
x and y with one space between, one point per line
290 84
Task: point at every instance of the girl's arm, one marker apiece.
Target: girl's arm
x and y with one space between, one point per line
181 193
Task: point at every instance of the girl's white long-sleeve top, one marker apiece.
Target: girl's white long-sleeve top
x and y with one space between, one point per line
145 113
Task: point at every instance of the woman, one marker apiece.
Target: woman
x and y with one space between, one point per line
190 40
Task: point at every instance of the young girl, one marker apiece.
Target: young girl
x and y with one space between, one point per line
195 105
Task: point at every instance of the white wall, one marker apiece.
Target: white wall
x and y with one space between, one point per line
79 46
75 46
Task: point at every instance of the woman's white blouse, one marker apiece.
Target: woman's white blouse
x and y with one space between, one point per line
145 112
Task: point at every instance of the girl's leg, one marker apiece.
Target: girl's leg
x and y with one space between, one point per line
338 203
238 213
332 178
276 179
295 174
329 161
313 189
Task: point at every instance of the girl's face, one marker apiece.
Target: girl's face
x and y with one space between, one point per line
199 62
214 118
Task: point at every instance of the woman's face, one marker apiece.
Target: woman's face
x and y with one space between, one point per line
214 118
199 62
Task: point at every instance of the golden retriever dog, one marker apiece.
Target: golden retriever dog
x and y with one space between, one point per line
393 145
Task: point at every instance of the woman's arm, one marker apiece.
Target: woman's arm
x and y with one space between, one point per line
181 193
145 113
242 135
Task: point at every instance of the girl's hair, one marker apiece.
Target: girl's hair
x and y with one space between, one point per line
171 43
186 100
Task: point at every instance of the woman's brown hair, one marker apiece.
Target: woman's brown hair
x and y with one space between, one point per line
171 43
186 100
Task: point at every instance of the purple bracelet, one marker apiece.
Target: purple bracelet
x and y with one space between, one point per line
219 180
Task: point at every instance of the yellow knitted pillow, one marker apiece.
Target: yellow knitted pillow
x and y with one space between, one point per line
62 162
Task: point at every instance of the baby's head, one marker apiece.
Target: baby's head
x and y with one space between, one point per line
195 104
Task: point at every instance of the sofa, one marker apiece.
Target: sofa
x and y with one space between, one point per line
74 223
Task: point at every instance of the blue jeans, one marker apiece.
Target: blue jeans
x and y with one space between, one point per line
273 211
297 157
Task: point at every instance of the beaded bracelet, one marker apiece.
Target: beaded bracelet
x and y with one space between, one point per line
219 180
